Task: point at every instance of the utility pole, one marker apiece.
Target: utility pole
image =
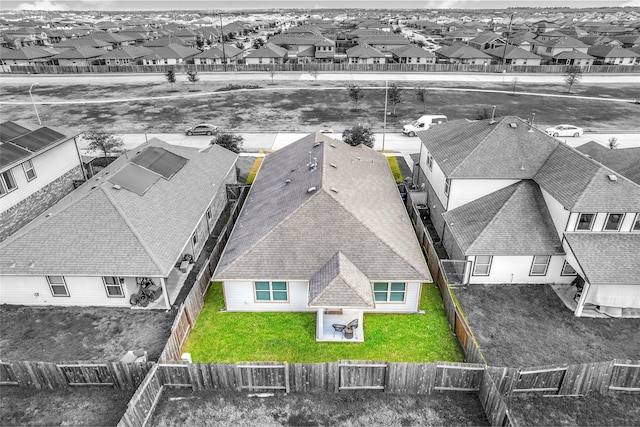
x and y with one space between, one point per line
386 97
224 56
506 43
34 103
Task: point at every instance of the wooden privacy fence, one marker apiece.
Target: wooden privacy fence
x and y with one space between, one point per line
194 302
312 67
42 375
493 403
457 322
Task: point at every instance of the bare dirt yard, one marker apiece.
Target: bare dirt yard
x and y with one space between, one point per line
528 326
620 409
100 334
182 407
92 406
306 107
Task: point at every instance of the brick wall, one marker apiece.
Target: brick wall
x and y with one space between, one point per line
25 211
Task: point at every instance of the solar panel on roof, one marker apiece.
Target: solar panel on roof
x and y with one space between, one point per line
38 139
10 130
10 153
135 179
160 161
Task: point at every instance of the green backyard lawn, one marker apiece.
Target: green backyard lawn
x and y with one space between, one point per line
224 337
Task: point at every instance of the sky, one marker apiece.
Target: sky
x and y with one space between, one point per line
106 5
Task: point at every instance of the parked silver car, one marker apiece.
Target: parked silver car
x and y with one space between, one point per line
202 129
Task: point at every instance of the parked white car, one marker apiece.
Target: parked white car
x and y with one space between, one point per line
565 130
423 123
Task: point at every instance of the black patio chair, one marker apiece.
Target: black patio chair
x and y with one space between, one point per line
353 325
338 328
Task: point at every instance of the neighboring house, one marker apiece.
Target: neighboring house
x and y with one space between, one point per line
599 41
216 55
629 41
550 48
574 57
169 55
323 230
115 39
25 56
486 40
133 221
413 54
84 42
38 167
79 56
325 50
462 54
128 55
518 206
267 54
514 55
524 40
365 54
386 43
625 161
611 55
304 46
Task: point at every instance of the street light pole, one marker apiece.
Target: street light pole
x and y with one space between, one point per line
506 43
34 103
386 97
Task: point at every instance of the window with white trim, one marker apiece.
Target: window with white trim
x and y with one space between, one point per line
113 286
209 214
58 286
271 291
613 222
7 183
389 291
194 238
482 265
567 270
29 170
447 187
430 162
636 223
540 265
585 221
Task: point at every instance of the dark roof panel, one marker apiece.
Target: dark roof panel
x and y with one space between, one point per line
38 139
160 161
10 130
135 179
10 153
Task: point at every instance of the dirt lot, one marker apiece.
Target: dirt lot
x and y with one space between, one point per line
618 409
528 325
56 334
93 406
305 107
182 407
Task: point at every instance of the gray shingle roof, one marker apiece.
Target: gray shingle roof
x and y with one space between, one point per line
622 160
100 230
477 149
582 185
269 50
339 283
461 51
607 258
284 230
510 221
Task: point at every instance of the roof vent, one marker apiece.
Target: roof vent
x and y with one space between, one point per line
311 189
358 158
317 144
533 118
48 215
334 189
333 165
612 177
492 120
287 181
116 187
513 125
32 264
333 145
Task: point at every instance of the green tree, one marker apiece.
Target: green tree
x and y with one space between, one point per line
314 70
421 96
171 77
105 142
395 97
192 75
257 43
486 112
359 134
272 72
229 141
355 93
573 76
239 45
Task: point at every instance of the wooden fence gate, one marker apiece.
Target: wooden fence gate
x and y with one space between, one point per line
7 377
362 376
263 377
625 377
541 380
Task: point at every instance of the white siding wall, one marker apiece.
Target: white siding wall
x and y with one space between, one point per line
435 177
83 291
464 191
411 304
515 269
559 214
239 296
49 166
571 258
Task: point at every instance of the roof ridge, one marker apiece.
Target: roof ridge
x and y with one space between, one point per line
477 147
133 230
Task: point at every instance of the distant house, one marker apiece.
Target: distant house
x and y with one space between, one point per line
487 40
304 47
551 47
625 161
310 240
518 206
514 55
37 167
25 56
81 55
169 55
133 222
216 55
385 43
267 54
600 41
365 54
115 39
524 40
413 54
128 55
546 26
84 42
612 55
460 36
574 57
629 41
462 54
